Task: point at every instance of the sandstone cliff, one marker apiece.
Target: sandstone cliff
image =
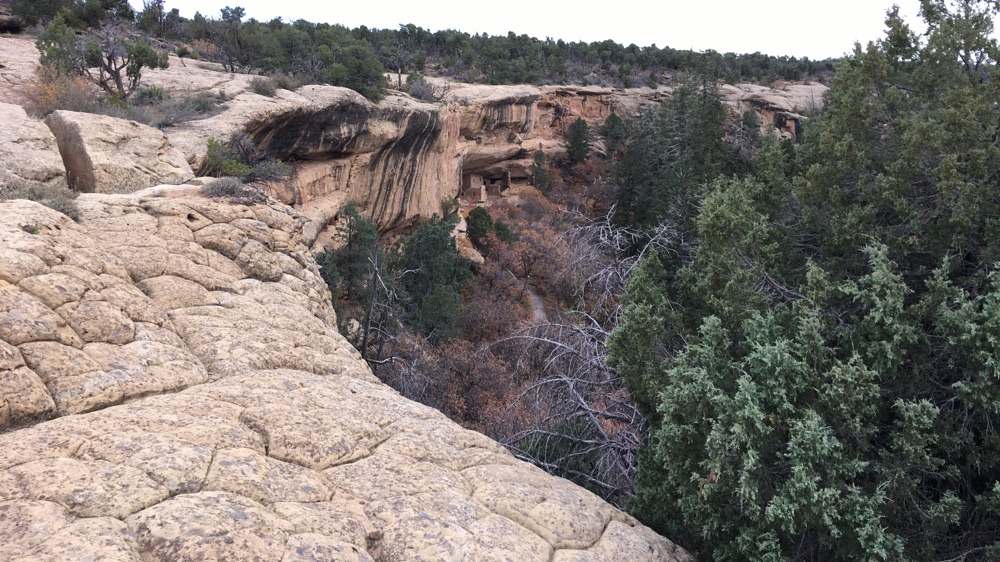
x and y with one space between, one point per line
398 159
173 388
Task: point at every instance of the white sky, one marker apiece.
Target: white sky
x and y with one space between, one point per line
813 28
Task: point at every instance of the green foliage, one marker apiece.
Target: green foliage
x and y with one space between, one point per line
353 261
615 131
670 154
577 143
150 96
107 56
817 360
157 21
57 47
479 224
241 158
432 269
357 67
503 231
439 314
539 175
35 12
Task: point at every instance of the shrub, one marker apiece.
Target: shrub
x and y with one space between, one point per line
577 143
241 158
58 199
449 208
479 224
284 81
222 187
420 88
50 91
263 86
152 95
540 177
203 103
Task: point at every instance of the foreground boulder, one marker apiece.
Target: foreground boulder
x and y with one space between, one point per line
28 151
104 154
173 387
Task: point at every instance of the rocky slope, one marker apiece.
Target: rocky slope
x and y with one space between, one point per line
173 388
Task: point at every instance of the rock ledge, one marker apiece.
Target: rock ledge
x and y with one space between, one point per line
173 387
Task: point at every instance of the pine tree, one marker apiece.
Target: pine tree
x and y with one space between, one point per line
577 143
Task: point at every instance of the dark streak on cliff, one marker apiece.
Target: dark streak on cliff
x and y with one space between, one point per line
399 165
304 134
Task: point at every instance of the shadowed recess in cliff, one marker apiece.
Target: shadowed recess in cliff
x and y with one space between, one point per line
309 134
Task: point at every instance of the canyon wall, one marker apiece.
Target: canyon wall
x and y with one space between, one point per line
397 159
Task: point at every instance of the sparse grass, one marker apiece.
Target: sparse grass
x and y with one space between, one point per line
58 199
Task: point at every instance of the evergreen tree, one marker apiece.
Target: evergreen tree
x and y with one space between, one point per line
479 224
820 373
432 272
107 56
577 143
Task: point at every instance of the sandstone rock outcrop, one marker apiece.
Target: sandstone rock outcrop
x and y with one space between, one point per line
397 159
781 108
173 387
28 150
104 154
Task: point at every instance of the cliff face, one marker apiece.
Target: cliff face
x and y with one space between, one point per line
398 159
173 387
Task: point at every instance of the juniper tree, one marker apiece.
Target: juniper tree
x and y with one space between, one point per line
820 375
577 143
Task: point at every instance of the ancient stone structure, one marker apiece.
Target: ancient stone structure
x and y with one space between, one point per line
173 388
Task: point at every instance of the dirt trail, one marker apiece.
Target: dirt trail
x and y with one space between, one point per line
537 306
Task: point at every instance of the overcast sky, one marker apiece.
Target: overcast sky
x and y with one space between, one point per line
813 28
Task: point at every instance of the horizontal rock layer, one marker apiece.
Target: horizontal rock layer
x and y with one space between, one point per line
173 388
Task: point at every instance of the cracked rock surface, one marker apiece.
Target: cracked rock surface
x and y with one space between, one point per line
173 388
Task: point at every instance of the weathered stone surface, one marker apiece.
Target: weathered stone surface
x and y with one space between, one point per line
76 543
28 150
107 155
207 409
